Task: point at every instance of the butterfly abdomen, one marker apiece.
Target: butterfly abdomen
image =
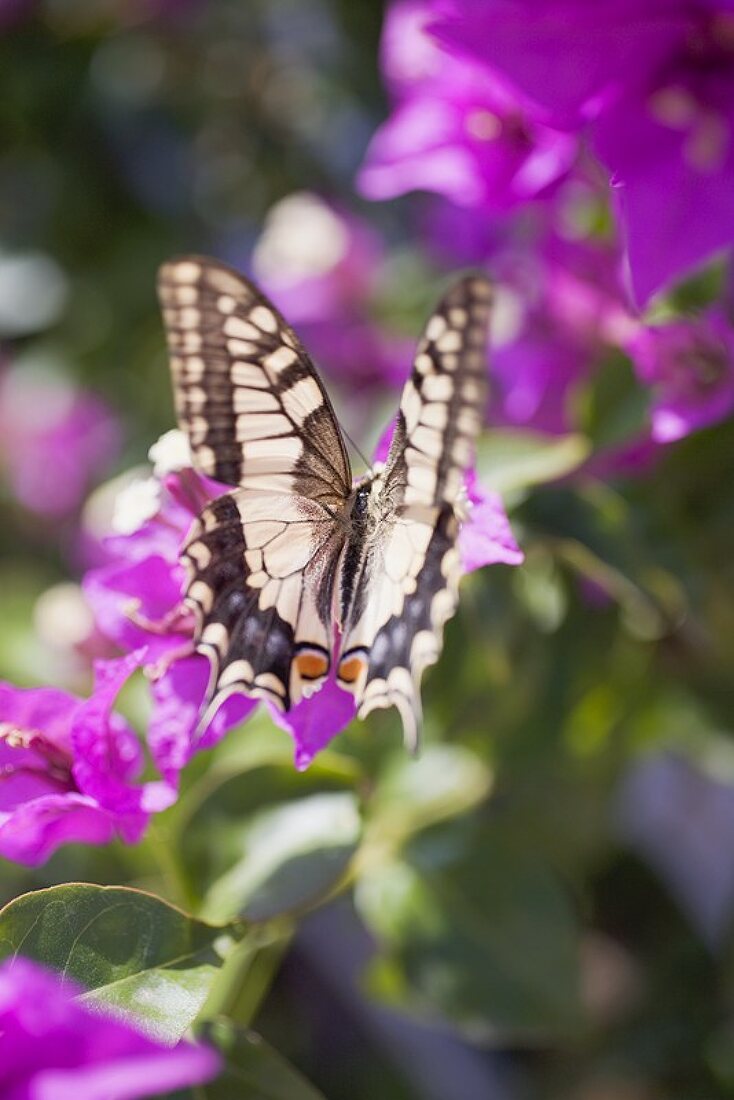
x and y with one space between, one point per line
361 522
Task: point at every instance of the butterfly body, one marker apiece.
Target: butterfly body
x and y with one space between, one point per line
300 572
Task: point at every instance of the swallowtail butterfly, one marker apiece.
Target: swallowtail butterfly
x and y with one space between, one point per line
300 569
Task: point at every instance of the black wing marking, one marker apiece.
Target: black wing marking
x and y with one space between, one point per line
246 392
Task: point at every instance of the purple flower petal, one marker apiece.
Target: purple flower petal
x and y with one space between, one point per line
689 365
315 721
655 86
35 829
674 187
568 56
108 755
40 806
150 586
467 146
178 698
47 710
55 440
486 537
53 1048
68 767
535 375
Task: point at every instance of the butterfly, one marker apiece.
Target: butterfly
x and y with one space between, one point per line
301 571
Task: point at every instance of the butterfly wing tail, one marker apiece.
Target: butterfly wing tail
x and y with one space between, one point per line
410 598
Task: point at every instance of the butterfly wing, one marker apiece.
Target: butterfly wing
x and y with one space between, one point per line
245 390
408 585
261 569
261 561
443 402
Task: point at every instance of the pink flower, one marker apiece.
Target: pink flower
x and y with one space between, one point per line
653 86
67 769
689 366
571 312
55 440
324 268
486 537
53 1048
457 128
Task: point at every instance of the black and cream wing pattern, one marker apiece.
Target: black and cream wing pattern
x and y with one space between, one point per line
300 572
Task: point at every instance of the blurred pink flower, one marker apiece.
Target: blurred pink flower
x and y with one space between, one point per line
55 441
689 366
67 769
54 1048
572 310
324 268
486 537
457 128
653 85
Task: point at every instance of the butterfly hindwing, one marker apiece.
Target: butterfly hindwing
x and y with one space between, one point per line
411 591
246 393
408 587
261 569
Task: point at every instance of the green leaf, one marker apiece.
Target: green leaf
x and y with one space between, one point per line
486 939
443 782
261 842
512 459
133 952
291 855
593 530
252 1070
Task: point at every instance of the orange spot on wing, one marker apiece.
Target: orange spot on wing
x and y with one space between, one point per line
311 666
351 669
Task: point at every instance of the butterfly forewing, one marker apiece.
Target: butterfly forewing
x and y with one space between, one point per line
261 561
409 587
443 402
246 393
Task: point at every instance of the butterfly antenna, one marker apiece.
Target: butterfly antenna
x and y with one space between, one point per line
356 449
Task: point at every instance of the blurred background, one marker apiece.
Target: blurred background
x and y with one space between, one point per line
557 918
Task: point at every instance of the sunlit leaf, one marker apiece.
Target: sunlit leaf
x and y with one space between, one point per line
445 780
133 952
227 850
510 459
291 855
